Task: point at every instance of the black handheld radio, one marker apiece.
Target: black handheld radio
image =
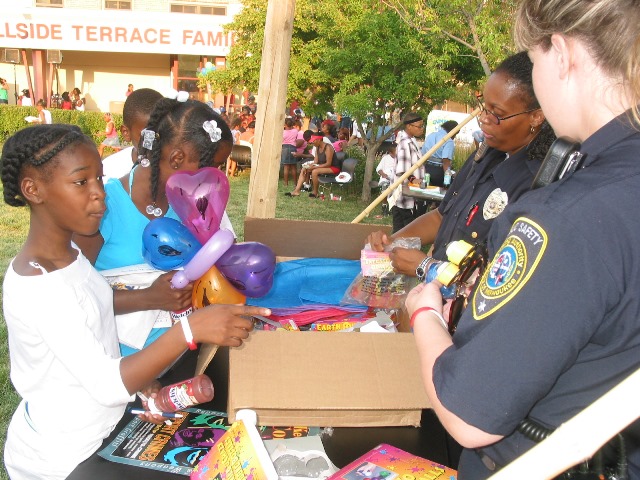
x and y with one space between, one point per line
563 157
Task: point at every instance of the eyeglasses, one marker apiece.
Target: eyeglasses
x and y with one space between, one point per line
495 119
421 126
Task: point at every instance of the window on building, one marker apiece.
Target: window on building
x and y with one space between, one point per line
117 5
49 3
199 9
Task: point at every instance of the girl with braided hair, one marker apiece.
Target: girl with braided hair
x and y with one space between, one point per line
63 341
180 135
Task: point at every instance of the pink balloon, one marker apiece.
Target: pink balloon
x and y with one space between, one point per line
206 257
199 198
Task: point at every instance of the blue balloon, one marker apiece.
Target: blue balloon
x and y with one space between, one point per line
167 244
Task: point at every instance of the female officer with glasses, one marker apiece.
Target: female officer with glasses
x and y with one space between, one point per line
518 138
554 322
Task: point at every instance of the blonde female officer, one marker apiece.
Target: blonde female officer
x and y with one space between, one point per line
553 323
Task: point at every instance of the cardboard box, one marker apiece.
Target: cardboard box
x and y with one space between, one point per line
322 378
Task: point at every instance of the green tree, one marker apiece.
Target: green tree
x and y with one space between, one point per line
379 64
355 57
243 61
477 28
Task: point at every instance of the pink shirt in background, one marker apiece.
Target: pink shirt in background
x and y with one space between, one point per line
289 137
300 136
338 145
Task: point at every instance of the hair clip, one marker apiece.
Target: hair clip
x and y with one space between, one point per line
211 127
148 136
143 161
180 96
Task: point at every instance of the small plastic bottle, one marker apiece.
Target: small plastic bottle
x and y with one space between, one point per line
182 395
432 273
447 178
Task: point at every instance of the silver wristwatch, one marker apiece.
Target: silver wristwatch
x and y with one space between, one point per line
421 269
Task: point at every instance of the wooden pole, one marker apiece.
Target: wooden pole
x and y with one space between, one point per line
272 97
406 174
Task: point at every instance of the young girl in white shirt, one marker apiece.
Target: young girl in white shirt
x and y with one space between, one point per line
63 342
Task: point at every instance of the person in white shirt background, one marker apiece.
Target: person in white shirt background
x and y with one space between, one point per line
386 166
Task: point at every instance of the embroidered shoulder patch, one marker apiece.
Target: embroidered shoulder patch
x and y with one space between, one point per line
511 268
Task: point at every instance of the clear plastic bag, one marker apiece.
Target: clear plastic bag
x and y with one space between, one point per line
377 285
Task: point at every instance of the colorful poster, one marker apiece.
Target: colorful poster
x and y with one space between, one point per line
178 447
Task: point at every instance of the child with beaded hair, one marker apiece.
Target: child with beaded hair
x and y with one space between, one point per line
181 134
63 341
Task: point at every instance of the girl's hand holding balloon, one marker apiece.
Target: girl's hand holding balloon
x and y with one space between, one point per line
163 296
224 325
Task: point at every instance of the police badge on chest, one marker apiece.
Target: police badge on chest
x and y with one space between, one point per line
494 204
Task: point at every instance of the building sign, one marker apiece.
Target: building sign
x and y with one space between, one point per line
115 31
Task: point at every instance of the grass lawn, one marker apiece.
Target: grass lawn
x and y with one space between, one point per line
15 222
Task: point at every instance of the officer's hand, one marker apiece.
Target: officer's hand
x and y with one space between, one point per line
425 295
406 260
378 240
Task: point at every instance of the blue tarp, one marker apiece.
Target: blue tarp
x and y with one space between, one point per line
309 281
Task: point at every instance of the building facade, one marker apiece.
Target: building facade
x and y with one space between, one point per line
101 46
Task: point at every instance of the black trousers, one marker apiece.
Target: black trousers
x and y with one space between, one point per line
436 174
402 217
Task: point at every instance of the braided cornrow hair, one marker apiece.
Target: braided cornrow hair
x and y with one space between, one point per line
36 146
182 122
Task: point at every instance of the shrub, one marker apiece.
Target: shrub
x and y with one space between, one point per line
461 154
12 120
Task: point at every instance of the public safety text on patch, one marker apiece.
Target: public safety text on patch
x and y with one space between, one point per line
511 268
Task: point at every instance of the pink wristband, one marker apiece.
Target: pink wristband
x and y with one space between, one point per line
432 310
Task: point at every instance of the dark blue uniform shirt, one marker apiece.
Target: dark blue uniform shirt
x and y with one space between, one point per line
486 186
554 322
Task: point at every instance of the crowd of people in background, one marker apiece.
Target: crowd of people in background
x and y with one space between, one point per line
339 132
